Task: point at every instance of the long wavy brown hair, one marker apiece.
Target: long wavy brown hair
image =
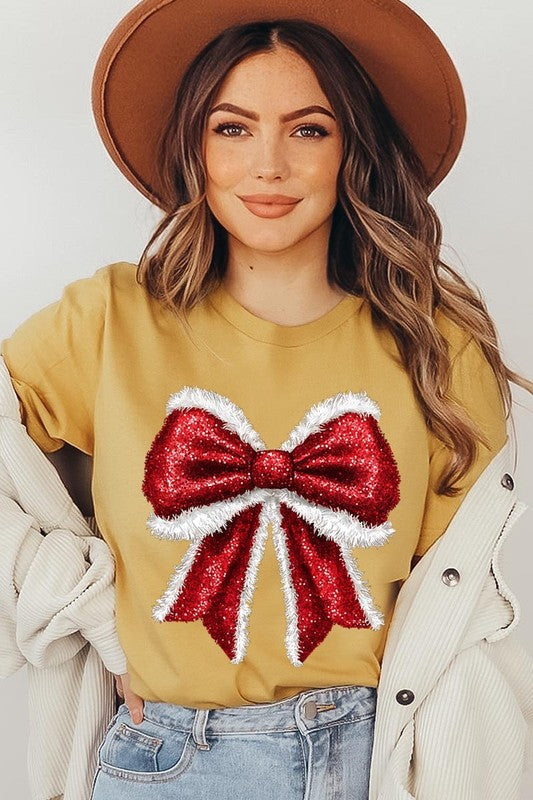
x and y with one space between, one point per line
382 218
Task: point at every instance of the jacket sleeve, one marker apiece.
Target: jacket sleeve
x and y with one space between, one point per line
56 578
474 386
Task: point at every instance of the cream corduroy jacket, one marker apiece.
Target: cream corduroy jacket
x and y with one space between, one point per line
454 717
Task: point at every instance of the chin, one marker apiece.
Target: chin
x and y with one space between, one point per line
267 238
268 244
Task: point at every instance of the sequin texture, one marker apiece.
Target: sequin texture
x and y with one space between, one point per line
327 489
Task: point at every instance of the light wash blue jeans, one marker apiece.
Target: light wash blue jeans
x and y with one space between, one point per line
316 745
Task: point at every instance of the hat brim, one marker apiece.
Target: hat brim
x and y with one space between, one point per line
141 64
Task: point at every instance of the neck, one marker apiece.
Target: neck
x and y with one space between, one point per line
287 287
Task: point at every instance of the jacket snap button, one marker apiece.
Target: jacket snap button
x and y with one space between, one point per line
310 709
450 577
507 481
405 697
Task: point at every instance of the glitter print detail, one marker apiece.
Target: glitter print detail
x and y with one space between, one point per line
328 488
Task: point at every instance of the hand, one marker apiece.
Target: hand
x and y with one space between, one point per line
133 701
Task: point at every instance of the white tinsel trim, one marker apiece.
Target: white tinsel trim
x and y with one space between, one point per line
167 600
222 407
292 635
341 526
245 607
236 421
373 615
270 512
198 521
329 409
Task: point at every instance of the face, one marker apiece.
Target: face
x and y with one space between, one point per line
267 145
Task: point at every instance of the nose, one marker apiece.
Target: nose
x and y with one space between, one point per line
269 160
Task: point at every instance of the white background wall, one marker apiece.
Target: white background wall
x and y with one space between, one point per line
66 210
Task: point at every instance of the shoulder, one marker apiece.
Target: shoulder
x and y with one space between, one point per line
471 372
120 288
72 324
121 274
92 299
469 366
458 338
117 277
473 381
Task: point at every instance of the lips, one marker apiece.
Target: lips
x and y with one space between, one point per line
275 206
276 199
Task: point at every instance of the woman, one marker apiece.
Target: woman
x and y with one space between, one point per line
288 405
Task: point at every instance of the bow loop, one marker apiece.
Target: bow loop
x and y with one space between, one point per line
194 460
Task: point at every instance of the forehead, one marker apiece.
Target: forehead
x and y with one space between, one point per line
280 76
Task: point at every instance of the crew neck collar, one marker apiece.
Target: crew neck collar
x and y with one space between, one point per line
263 330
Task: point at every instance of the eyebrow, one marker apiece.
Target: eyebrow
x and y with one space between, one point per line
300 112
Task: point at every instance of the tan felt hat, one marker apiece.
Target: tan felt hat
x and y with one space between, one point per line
142 61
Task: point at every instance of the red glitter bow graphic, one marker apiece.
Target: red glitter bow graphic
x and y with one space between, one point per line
327 489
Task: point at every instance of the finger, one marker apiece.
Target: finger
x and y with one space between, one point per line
134 702
118 683
136 712
135 705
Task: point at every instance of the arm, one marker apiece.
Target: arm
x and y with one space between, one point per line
56 589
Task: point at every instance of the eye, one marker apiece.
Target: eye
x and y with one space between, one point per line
316 128
224 126
318 131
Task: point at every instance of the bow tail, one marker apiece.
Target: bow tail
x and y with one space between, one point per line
321 584
214 583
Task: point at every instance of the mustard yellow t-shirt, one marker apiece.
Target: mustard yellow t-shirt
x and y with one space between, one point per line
245 576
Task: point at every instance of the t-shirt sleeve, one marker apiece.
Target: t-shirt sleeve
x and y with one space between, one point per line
474 386
53 359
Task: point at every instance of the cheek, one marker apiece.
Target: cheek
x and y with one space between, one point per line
320 170
223 166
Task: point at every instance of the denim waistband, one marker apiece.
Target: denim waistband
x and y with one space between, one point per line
308 710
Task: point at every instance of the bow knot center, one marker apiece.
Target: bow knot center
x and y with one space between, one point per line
272 468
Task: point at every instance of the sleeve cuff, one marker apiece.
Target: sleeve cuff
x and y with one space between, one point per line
105 640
